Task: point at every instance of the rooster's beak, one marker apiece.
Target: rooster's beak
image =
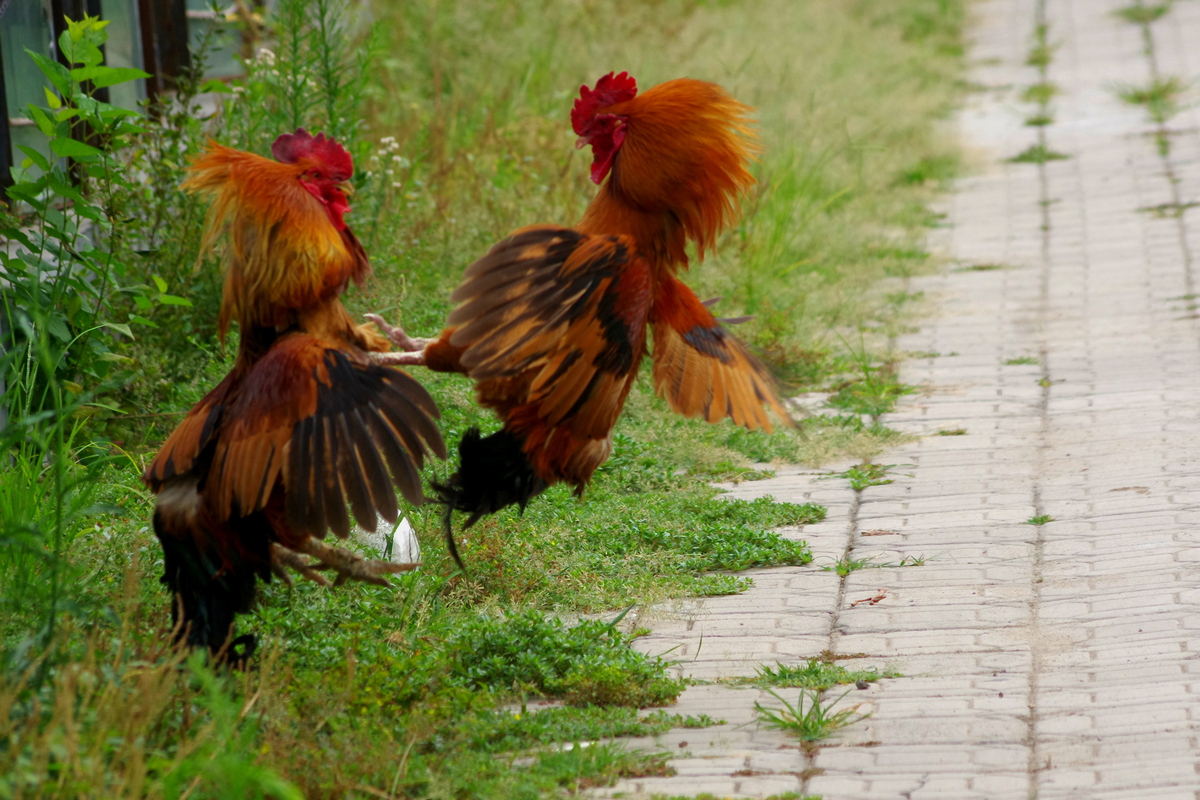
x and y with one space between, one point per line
582 142
347 189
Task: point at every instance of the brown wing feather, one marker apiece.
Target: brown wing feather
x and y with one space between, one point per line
566 309
189 439
701 370
328 429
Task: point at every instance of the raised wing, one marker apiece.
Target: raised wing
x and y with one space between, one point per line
311 419
700 369
568 307
191 437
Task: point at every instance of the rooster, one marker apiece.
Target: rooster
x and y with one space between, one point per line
552 322
264 464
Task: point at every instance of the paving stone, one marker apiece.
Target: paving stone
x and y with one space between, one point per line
1052 661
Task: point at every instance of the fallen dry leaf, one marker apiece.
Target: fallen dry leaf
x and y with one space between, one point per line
882 593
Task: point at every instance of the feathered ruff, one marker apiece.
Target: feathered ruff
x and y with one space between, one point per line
680 172
284 252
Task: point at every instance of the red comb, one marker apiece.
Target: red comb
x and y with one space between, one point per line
291 147
610 90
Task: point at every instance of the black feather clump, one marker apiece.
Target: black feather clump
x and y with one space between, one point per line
206 599
493 473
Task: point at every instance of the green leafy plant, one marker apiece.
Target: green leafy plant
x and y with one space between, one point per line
62 345
1040 519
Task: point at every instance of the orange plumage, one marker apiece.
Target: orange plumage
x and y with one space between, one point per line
305 423
552 322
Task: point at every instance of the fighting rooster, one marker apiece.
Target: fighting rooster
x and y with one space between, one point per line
264 464
552 322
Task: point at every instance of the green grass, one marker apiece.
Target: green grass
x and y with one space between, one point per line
811 724
1142 14
1170 210
862 476
1019 360
952 432
410 691
1039 120
1162 97
1040 519
815 674
1039 93
1037 154
845 565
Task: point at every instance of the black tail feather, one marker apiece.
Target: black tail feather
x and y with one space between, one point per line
493 473
205 599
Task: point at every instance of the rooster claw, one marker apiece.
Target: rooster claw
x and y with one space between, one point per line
347 565
397 336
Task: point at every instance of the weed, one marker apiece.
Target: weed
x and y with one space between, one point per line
921 355
952 432
1161 97
1019 360
1170 210
1039 93
1141 14
814 674
811 725
864 475
874 394
936 169
1040 519
845 565
1037 154
912 561
1039 120
1041 54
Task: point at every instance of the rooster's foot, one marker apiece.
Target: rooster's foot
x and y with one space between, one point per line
398 337
347 565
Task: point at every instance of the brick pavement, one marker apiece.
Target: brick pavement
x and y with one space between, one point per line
1053 661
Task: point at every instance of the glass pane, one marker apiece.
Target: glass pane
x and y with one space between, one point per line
25 25
224 44
124 49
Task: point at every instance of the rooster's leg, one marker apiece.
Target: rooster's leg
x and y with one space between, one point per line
347 565
416 359
398 337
